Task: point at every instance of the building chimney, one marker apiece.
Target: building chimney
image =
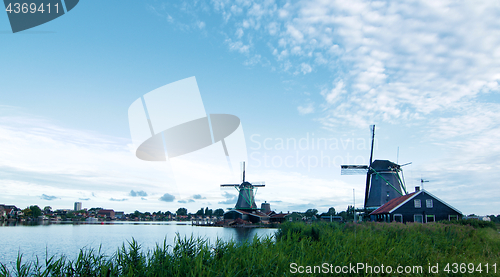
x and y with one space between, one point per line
417 189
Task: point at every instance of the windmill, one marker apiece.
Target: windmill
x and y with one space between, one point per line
383 180
246 196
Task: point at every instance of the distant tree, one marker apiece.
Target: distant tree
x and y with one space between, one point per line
181 211
137 214
47 209
95 209
331 211
167 213
494 218
219 212
348 214
208 212
27 212
350 210
200 212
311 212
36 211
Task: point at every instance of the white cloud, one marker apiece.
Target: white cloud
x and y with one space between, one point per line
237 46
416 57
334 94
239 33
305 68
307 109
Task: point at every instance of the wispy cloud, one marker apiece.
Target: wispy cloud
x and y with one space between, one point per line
167 197
230 198
186 201
307 109
119 200
48 197
137 193
395 65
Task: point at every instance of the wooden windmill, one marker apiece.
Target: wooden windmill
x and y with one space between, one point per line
246 195
383 180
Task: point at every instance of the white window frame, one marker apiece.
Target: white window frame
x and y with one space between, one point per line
452 215
419 203
427 202
430 215
415 218
398 215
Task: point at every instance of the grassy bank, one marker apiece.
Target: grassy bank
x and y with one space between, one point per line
305 245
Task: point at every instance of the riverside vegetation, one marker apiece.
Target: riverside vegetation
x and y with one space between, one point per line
390 244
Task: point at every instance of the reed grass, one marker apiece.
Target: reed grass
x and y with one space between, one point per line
304 244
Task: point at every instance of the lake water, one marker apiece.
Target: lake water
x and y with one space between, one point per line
68 239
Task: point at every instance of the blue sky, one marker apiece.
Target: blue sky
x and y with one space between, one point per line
425 72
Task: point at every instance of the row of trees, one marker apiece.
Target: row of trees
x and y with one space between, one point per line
347 215
34 212
159 215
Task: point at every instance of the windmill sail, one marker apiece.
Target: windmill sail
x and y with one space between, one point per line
353 169
368 176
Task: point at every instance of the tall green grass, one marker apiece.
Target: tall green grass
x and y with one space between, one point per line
303 244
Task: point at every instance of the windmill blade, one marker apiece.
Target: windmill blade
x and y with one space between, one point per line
243 171
405 164
368 175
258 184
353 169
229 185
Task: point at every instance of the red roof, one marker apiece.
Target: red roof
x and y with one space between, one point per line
393 203
256 213
279 215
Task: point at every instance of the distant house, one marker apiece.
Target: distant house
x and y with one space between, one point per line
419 206
278 218
295 217
62 211
8 210
108 214
120 215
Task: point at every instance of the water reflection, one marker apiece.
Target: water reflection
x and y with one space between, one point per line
37 239
247 234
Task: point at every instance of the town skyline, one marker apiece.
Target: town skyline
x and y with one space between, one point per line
314 72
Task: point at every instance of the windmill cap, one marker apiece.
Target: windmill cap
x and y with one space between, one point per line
384 165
